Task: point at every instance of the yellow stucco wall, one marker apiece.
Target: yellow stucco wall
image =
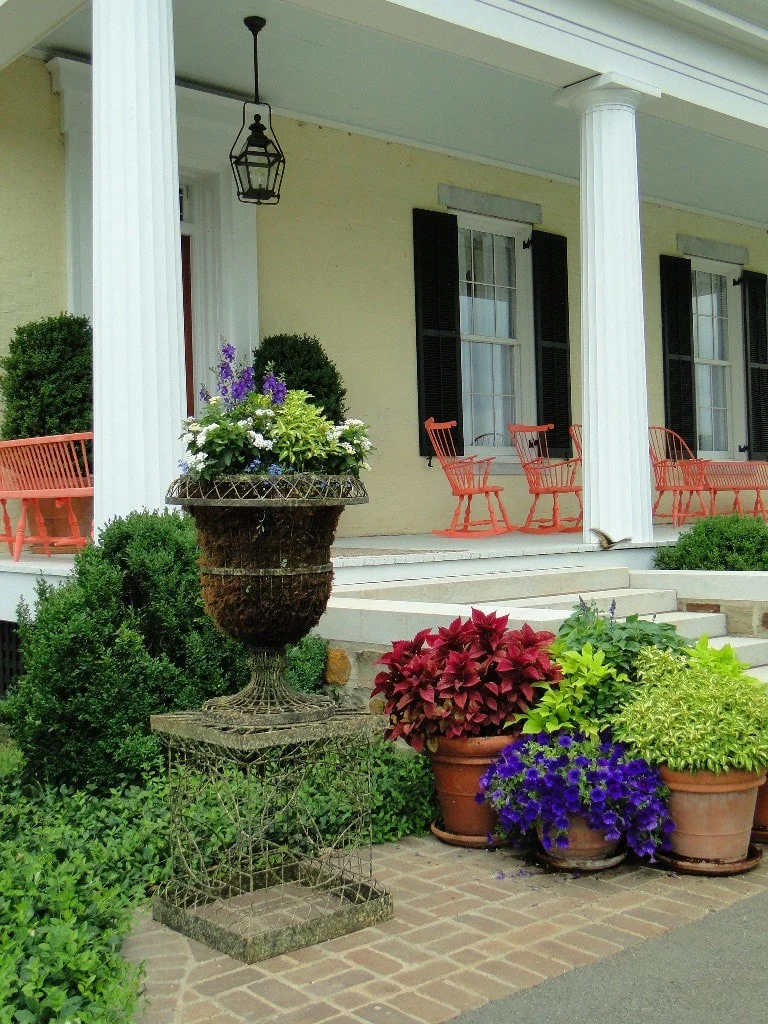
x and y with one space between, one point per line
33 262
335 260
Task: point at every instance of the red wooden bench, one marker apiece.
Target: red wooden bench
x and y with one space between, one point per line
677 471
43 467
468 477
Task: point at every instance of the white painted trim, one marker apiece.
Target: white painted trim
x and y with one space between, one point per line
225 262
708 249
712 73
487 205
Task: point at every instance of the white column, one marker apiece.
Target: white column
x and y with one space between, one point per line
137 310
617 480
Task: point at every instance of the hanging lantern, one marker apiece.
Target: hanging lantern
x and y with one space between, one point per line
257 160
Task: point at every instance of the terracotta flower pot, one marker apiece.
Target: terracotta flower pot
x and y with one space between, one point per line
760 820
458 765
712 813
587 850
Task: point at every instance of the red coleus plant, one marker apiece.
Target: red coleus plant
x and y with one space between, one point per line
467 679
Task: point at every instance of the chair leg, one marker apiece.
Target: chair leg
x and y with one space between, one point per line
8 535
40 523
456 514
21 529
510 527
467 517
531 513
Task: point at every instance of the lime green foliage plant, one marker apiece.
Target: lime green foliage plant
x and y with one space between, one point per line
46 378
584 700
124 638
622 640
302 362
692 715
730 542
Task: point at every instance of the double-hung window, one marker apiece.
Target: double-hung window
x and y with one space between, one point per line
497 350
718 360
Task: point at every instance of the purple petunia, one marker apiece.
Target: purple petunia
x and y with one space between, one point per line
600 782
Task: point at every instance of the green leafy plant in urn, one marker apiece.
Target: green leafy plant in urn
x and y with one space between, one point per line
266 479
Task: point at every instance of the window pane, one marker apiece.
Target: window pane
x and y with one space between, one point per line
720 430
705 342
483 309
465 307
719 295
482 257
506 313
721 339
504 260
703 293
482 368
719 397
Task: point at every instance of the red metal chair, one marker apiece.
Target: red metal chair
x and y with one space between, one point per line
678 472
468 477
546 476
575 431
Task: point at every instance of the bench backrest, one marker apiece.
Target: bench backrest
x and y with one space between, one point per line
55 466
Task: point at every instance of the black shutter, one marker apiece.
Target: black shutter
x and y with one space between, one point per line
677 344
550 329
756 358
438 335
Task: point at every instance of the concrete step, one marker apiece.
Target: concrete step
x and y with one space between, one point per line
504 587
753 651
629 601
693 624
760 672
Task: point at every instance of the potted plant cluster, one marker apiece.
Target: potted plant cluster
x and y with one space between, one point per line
704 722
266 477
582 796
457 692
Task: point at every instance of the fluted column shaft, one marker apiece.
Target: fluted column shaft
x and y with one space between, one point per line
617 481
137 310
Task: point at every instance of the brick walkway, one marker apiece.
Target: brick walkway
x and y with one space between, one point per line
469 927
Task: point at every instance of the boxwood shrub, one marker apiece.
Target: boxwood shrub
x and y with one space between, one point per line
730 542
304 364
46 378
125 637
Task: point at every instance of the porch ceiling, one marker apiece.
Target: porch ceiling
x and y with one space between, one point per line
486 99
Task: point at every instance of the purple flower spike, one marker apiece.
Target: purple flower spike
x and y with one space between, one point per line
275 387
228 352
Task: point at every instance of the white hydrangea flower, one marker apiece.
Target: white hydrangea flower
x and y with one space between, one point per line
188 438
259 441
347 447
364 465
266 413
194 427
245 424
353 423
215 400
198 460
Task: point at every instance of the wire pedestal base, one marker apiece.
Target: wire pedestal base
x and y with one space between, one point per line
270 833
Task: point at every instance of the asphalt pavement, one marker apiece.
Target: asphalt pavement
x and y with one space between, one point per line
711 971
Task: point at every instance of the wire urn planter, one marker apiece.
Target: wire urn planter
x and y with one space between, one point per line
258 867
266 576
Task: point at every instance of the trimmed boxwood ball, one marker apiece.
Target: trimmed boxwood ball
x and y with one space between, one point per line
46 380
304 364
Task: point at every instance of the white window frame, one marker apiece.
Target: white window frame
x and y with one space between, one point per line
526 412
736 383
